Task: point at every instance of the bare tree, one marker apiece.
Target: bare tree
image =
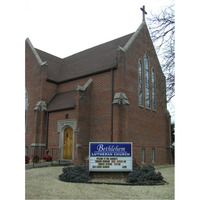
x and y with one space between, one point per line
162 30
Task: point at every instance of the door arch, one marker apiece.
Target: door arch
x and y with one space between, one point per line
68 143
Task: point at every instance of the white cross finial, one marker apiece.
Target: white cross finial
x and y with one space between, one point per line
144 12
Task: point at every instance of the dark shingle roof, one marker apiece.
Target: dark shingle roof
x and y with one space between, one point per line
54 64
97 59
63 101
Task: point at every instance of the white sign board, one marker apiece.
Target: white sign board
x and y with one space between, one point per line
110 156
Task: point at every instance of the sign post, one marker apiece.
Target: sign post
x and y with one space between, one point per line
110 156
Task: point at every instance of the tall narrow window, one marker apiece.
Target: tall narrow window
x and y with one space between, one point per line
140 83
26 150
147 88
153 90
143 155
153 155
26 105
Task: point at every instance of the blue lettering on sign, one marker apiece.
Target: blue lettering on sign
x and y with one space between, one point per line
110 149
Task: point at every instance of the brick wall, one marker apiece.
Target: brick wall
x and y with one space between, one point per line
92 113
144 127
131 123
35 76
38 89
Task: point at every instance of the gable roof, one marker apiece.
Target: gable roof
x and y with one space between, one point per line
54 65
91 61
95 60
63 101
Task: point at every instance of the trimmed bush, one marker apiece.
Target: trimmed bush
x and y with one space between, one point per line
78 173
27 159
145 176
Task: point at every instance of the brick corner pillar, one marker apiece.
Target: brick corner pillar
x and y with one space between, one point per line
39 144
119 116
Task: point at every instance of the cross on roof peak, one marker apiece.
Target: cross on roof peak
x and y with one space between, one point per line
144 12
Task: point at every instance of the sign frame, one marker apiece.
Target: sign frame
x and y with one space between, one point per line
110 156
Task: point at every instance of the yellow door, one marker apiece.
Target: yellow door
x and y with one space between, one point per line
68 143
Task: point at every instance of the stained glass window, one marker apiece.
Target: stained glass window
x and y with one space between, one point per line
140 80
147 89
26 105
153 90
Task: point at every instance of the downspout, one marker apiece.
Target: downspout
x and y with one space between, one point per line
47 129
112 94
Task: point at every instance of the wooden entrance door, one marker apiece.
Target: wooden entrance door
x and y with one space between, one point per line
68 143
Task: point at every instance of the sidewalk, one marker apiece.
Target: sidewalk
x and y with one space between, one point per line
47 164
67 163
163 166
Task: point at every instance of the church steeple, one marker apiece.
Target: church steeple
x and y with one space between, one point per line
144 12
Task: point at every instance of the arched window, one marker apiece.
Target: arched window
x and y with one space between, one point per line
140 83
153 90
147 88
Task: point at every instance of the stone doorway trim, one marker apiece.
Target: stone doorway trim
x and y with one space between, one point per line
62 124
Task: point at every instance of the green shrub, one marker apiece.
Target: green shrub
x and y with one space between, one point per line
145 176
78 173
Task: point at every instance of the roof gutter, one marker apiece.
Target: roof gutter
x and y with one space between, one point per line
62 109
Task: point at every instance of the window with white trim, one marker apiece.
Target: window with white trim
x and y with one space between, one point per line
147 85
140 83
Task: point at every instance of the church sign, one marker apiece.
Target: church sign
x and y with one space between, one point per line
110 156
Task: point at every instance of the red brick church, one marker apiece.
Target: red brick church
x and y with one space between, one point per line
113 92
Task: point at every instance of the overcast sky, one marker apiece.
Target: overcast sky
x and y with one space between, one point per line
65 27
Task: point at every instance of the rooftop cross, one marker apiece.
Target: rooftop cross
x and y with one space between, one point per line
144 12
